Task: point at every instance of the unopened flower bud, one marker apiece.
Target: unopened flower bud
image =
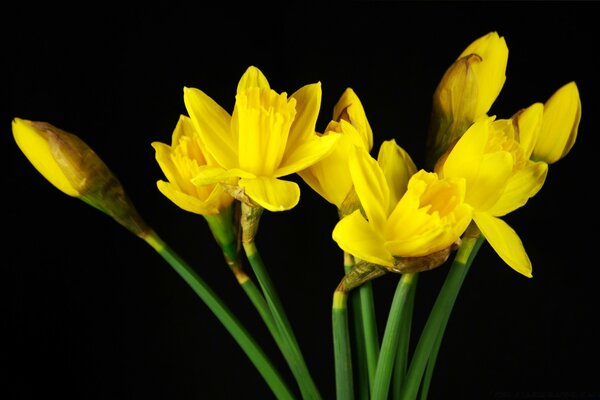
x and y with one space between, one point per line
74 168
562 113
466 92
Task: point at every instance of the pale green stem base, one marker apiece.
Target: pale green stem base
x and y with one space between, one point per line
341 347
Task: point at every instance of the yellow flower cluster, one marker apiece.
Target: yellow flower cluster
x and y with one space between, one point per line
480 167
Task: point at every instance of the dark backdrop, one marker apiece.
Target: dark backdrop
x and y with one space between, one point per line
91 312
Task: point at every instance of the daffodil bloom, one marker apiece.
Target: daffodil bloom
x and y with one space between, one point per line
405 213
268 136
556 123
330 176
69 164
180 162
499 179
467 91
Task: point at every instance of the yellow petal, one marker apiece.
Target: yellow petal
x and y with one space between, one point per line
252 78
505 241
184 128
562 114
493 176
356 236
212 123
36 145
330 177
350 108
308 104
467 154
529 123
371 187
486 174
165 162
188 203
306 154
208 175
521 186
491 71
270 193
398 167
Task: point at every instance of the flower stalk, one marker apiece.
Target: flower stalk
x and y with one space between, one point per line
429 340
291 350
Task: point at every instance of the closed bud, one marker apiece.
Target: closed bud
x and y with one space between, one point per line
73 167
466 92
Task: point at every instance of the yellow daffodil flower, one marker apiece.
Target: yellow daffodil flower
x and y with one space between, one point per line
555 125
268 136
330 176
180 162
405 213
466 92
499 179
69 164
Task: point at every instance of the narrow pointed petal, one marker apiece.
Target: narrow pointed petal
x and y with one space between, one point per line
350 108
165 162
307 154
188 203
330 177
505 241
528 125
270 193
371 187
252 78
523 185
562 114
212 123
208 175
486 174
468 152
494 174
398 167
308 104
356 236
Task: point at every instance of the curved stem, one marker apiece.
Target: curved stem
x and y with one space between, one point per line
291 349
224 315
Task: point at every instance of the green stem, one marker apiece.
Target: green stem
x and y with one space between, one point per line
254 294
424 393
391 336
341 347
291 349
365 291
440 313
401 362
224 315
359 337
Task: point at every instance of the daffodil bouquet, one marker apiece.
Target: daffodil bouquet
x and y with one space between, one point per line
394 217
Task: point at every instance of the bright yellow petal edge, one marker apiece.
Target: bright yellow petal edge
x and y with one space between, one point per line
36 143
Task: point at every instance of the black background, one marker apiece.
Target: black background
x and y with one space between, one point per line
91 312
